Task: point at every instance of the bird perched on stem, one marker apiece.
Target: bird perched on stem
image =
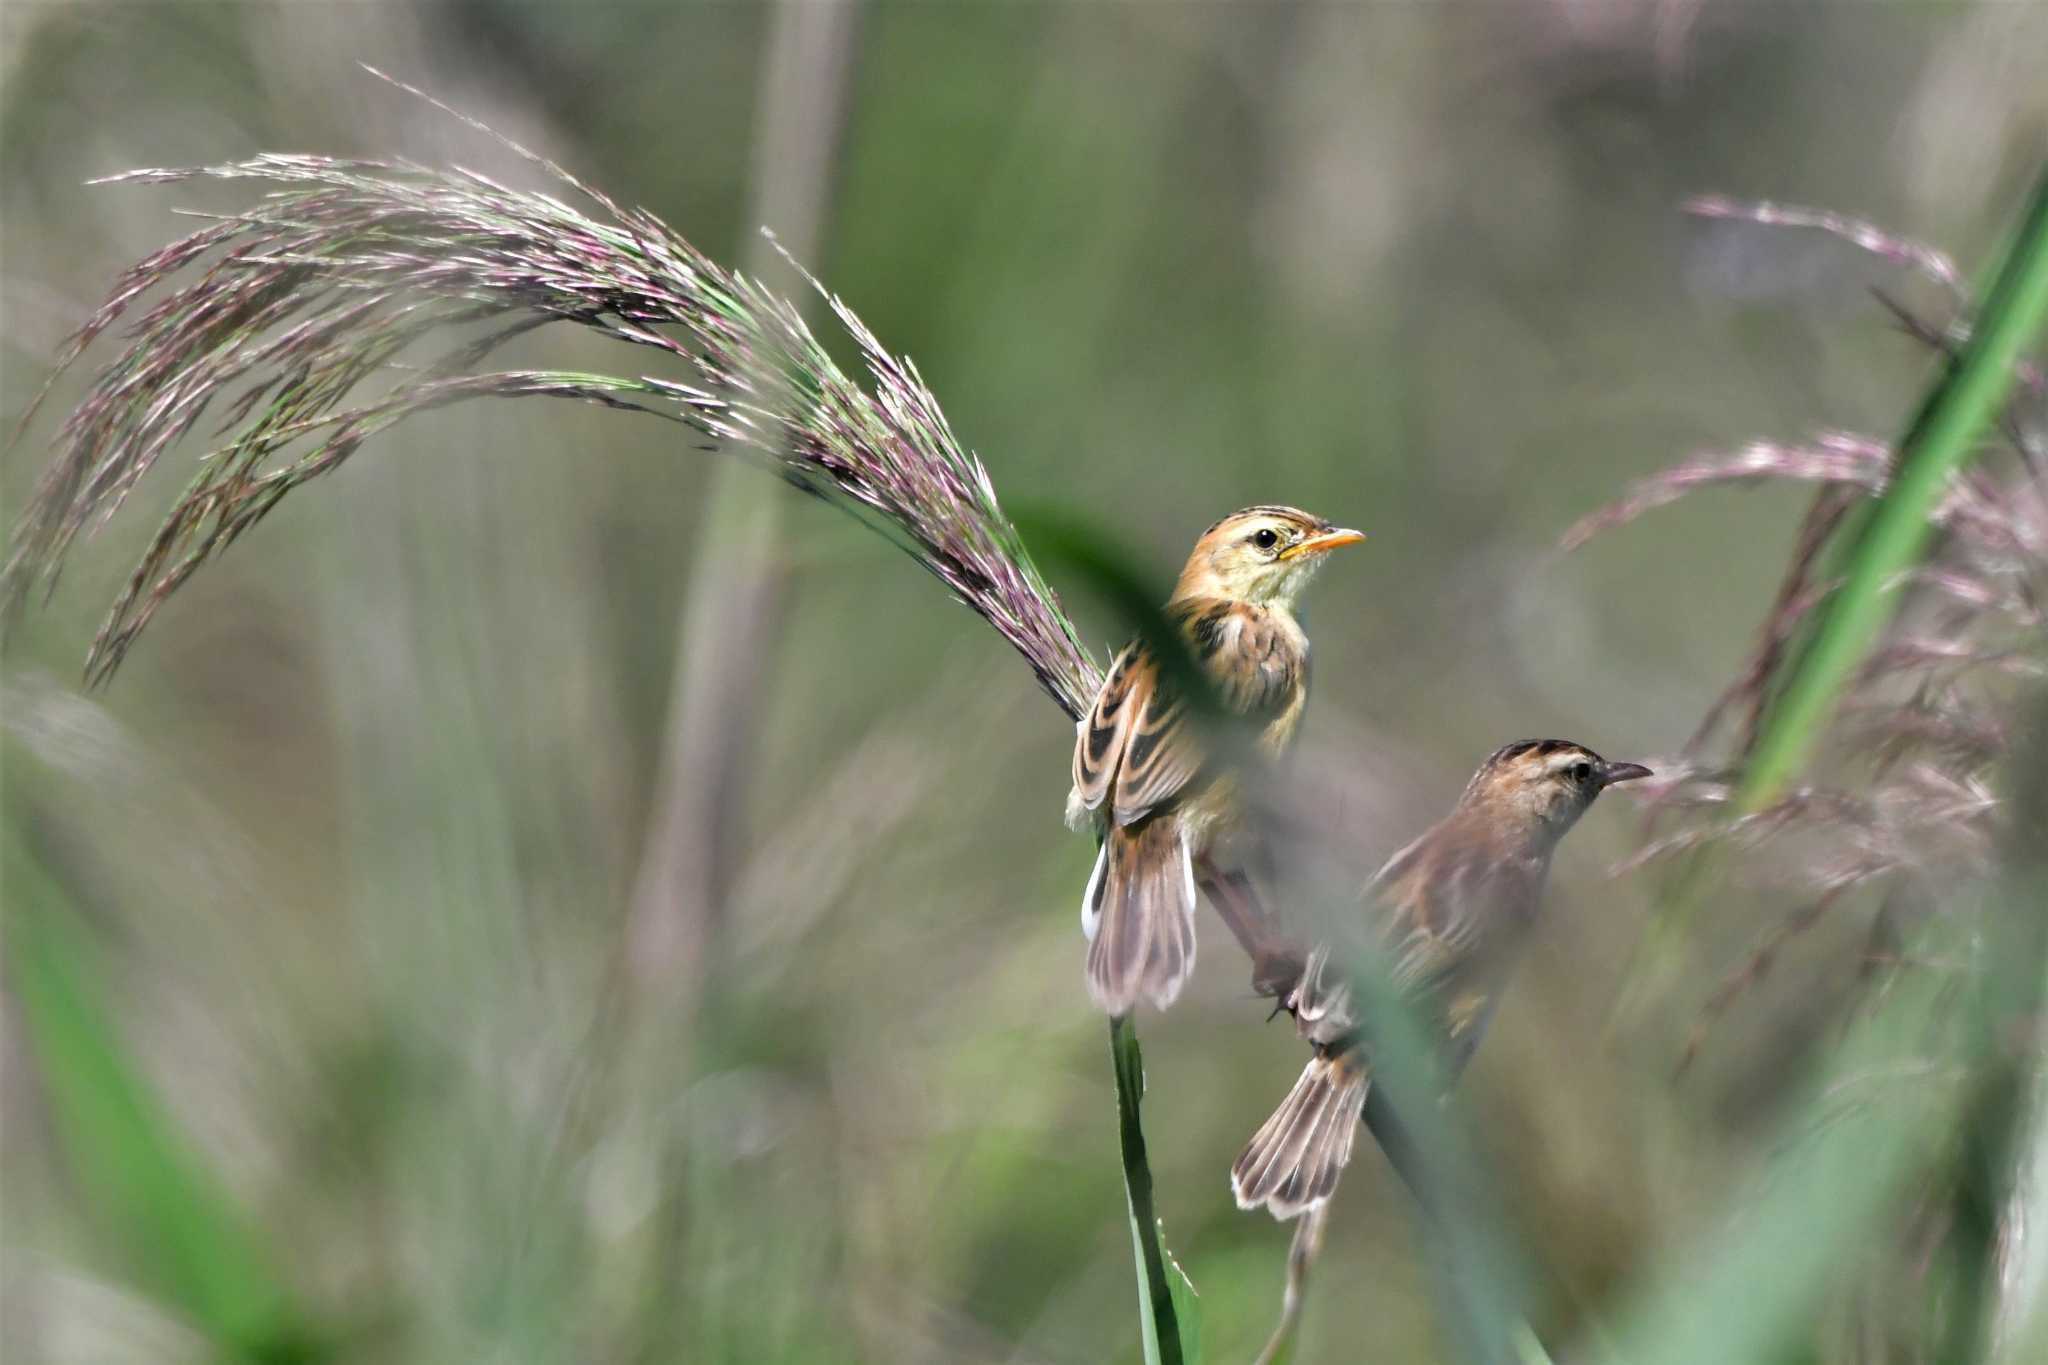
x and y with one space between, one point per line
1145 771
1451 910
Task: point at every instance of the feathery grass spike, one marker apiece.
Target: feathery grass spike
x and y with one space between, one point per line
1905 700
301 321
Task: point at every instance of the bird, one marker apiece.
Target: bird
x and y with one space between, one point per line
1144 776
1451 910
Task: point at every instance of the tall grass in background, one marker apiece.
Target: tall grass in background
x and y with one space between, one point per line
1887 750
360 293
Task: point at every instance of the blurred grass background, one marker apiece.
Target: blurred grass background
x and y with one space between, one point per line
349 842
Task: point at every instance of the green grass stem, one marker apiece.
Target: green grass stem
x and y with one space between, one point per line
1158 1315
1940 440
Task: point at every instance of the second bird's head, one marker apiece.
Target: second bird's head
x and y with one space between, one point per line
1261 554
1547 783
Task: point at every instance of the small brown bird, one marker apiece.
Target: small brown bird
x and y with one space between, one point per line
1452 908
1142 773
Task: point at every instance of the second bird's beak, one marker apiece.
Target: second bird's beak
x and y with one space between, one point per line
1327 540
1611 773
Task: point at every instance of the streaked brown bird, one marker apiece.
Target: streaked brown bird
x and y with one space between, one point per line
1143 774
1452 908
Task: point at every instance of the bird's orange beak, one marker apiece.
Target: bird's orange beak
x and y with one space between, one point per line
1328 540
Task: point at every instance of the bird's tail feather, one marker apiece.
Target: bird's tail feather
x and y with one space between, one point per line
1139 914
1293 1161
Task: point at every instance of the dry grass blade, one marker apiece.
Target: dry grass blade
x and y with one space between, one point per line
327 292
1833 458
1935 265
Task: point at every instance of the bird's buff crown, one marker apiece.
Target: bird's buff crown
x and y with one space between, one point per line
1549 780
1263 554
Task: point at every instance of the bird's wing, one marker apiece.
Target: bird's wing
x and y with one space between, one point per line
1255 659
1396 868
1437 901
1435 908
1414 898
1100 736
1135 748
1432 922
1138 747
1452 916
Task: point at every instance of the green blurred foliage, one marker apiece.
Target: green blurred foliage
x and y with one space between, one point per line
351 835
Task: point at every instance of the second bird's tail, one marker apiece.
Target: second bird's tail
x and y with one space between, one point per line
1293 1161
1139 914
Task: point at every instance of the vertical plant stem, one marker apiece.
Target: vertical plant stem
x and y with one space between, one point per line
731 619
1301 1258
1158 1323
1939 441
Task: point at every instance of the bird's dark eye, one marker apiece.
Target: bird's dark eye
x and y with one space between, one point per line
1581 771
1265 537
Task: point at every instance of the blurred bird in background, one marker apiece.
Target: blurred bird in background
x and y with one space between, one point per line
1142 767
1452 909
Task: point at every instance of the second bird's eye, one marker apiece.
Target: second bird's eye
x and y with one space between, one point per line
1265 538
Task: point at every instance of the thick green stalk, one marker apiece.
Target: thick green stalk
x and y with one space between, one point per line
1940 440
1159 1324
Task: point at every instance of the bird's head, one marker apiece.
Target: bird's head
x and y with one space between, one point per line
1261 554
1544 785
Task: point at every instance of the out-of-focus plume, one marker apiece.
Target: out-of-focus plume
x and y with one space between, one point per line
302 327
1904 792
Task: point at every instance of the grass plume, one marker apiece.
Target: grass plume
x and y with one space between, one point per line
301 323
1898 789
